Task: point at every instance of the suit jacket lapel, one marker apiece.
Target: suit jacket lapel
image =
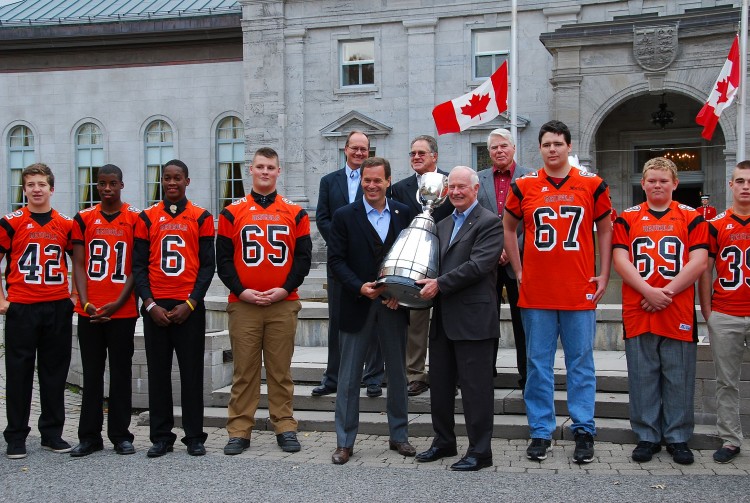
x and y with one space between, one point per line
467 225
364 224
489 187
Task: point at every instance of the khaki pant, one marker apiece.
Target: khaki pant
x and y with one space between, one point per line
728 336
256 330
416 344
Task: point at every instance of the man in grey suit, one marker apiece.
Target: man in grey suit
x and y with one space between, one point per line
465 323
338 189
494 186
361 235
424 156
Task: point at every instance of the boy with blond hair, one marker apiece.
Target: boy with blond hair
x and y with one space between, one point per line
660 250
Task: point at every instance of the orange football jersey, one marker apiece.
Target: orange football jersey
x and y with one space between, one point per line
108 255
264 241
36 267
173 247
558 255
729 244
659 244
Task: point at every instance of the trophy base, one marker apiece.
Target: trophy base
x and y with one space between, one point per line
405 290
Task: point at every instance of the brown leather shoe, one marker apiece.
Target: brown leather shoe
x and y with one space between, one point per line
403 448
341 455
417 388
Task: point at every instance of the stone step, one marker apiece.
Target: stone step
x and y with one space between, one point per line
507 401
505 426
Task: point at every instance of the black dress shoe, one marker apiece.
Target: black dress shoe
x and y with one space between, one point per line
124 447
322 391
196 449
435 453
471 464
159 448
85 448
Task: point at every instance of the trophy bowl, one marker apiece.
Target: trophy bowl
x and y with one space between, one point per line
416 253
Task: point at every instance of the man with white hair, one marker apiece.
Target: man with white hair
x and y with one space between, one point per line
494 186
464 323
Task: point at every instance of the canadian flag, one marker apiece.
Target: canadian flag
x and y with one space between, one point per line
722 95
477 107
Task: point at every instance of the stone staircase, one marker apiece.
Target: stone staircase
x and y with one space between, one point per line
317 413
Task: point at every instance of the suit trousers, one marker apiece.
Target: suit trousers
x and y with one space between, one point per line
188 342
729 336
99 341
373 373
661 378
416 344
389 328
262 336
42 330
519 336
468 363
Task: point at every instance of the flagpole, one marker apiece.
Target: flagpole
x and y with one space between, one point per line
514 69
743 74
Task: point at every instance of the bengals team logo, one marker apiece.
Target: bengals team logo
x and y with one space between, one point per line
632 209
685 207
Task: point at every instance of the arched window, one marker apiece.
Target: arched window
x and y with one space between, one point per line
159 149
20 154
230 157
89 158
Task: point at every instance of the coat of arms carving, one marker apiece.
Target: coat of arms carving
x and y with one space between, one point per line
655 47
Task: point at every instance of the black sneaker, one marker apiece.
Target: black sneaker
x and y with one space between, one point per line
681 453
644 451
57 445
726 454
16 450
288 441
584 451
374 390
236 445
537 450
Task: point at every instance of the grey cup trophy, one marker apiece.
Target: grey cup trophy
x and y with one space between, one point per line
416 253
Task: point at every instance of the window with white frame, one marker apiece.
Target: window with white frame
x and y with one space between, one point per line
230 159
20 154
491 49
358 63
159 150
89 158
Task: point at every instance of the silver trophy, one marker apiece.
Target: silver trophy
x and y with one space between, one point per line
416 253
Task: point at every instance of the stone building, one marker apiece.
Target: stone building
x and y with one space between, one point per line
136 83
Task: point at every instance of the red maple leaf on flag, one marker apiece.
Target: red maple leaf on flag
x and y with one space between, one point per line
722 87
477 105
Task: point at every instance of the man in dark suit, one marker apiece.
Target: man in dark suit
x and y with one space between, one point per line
424 155
362 233
464 324
338 189
494 185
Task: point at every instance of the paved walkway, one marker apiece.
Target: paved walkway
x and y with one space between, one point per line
372 451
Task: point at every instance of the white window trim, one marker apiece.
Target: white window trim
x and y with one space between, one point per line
355 34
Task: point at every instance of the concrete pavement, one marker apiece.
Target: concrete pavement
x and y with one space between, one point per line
104 475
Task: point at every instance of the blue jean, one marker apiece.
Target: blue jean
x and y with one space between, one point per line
576 330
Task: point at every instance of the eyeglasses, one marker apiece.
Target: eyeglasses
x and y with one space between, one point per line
358 149
418 153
